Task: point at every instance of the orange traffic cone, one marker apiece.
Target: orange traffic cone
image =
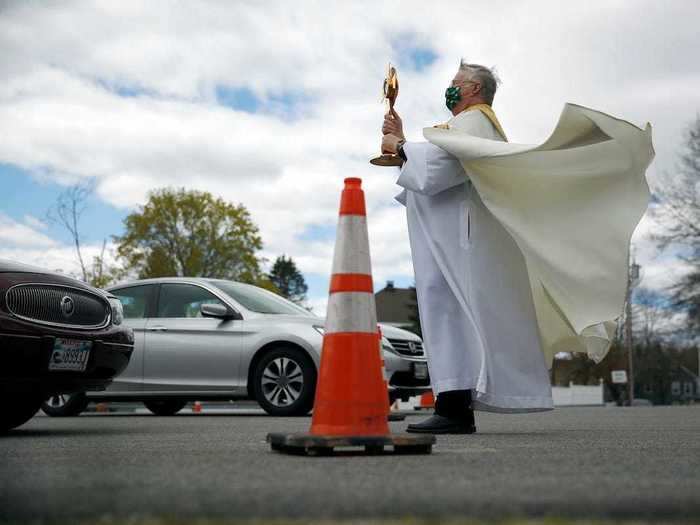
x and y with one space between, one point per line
352 404
427 400
197 407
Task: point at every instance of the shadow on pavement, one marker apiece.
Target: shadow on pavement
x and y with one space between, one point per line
209 414
31 432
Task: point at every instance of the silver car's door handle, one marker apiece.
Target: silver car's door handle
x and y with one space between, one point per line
157 329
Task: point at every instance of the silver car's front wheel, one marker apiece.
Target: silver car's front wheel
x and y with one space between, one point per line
285 381
282 381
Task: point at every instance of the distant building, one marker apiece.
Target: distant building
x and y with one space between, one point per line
684 387
395 306
662 376
668 377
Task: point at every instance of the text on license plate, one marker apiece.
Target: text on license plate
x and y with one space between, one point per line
70 354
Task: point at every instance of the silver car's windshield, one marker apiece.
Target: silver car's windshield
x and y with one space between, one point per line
258 300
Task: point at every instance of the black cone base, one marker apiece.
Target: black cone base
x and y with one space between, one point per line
312 445
386 159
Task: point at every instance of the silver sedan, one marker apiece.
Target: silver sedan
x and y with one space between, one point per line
210 339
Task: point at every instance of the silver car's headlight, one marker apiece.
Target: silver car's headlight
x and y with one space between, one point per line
320 329
117 311
386 345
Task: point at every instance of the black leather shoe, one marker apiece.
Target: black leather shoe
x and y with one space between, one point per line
436 424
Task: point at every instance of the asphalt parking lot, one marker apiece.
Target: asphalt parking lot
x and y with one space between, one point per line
640 463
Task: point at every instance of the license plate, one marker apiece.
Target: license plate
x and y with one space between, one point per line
70 354
420 370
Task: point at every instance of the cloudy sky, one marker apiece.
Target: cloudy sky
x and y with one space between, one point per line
272 104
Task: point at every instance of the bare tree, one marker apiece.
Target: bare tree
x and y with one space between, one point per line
69 208
677 211
70 205
99 272
649 310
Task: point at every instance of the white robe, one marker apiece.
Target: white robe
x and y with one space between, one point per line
532 258
476 311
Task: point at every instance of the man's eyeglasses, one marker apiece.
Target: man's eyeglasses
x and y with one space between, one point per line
462 83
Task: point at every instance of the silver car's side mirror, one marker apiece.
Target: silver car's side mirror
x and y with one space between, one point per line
216 310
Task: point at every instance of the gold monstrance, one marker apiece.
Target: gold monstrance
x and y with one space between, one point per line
390 92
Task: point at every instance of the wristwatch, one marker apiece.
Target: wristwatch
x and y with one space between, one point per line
399 150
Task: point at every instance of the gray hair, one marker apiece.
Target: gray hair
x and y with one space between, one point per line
483 75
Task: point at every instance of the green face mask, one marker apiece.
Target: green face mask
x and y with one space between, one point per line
452 97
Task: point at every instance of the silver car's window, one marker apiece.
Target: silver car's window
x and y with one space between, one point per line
258 300
134 300
183 300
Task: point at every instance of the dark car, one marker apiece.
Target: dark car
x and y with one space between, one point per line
57 335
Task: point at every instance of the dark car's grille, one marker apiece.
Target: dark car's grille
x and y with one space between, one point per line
58 305
408 348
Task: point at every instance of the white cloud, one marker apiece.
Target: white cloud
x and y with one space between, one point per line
318 306
56 258
35 223
62 118
18 234
25 242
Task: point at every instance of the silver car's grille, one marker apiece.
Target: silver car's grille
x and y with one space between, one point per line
408 348
58 305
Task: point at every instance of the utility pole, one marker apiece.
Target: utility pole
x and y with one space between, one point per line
632 278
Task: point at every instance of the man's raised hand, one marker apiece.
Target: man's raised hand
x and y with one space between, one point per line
390 143
393 125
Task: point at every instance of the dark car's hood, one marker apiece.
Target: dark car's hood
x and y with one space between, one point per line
14 266
46 276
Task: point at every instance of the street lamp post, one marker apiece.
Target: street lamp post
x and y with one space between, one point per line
632 278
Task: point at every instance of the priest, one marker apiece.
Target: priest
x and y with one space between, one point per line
519 251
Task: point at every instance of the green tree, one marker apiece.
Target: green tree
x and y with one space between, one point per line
190 233
288 279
